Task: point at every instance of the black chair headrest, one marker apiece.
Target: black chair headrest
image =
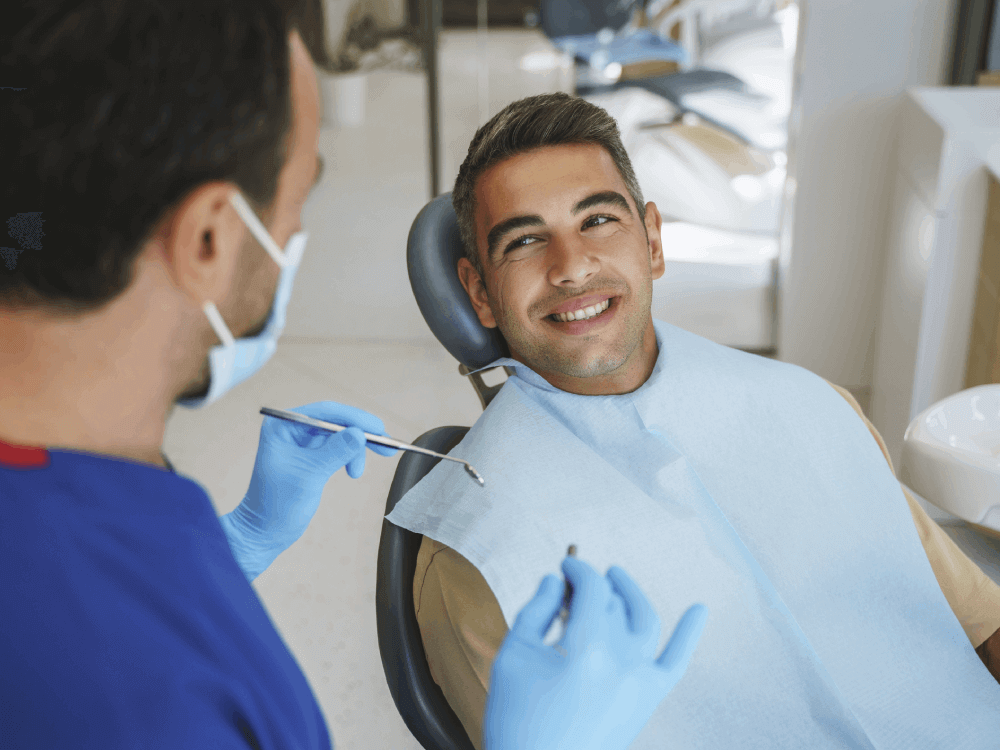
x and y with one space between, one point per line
432 253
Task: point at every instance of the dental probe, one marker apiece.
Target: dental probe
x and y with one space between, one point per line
291 416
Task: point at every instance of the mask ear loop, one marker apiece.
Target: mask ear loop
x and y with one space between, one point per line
264 238
259 230
218 324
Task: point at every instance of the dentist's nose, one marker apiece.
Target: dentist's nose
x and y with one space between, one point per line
571 262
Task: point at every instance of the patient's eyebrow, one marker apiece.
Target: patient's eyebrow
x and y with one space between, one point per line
507 226
606 197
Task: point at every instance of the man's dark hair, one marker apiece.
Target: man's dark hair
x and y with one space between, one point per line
528 124
112 111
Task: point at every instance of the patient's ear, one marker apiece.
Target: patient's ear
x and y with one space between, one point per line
476 289
653 223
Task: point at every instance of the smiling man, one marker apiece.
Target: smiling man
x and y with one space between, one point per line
571 266
842 615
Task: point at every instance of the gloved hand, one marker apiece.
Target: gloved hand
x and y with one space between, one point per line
600 692
294 462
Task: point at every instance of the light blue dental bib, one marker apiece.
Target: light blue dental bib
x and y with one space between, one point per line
749 485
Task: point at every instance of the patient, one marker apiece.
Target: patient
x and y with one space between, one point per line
561 255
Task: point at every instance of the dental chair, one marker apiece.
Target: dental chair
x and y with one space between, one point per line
585 27
432 251
715 96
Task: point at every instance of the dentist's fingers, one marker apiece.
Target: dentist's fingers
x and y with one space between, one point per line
354 446
382 450
298 434
535 618
331 411
642 618
589 604
616 616
678 651
304 436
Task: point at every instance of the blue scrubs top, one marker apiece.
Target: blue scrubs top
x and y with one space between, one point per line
125 622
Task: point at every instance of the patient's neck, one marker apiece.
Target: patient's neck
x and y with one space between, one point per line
631 375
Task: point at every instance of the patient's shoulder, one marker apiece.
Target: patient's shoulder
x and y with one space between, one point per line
443 558
871 428
449 575
443 565
429 549
849 397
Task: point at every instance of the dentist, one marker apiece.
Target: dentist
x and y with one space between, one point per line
156 159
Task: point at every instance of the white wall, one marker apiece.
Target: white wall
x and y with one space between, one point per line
856 59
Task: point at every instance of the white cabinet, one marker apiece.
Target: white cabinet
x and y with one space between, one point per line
946 144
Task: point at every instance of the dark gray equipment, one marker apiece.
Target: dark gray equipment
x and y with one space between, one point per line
418 698
433 249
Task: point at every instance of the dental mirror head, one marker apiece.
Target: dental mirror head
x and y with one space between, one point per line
475 474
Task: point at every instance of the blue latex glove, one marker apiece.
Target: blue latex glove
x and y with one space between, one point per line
294 462
603 683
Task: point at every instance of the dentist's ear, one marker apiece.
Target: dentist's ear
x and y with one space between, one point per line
475 287
653 223
201 243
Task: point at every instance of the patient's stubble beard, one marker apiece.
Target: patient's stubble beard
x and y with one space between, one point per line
544 354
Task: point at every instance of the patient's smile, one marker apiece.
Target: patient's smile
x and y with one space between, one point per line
582 308
584 318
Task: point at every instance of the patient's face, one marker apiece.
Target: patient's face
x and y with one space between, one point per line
557 232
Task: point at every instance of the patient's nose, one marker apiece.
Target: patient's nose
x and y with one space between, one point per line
571 262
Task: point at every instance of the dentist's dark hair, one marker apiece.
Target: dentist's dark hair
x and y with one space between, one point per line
112 111
528 124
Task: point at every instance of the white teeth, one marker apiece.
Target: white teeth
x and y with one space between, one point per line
585 313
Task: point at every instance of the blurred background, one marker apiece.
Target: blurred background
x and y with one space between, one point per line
702 92
825 170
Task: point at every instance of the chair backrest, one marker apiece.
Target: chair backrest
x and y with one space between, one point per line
418 698
433 249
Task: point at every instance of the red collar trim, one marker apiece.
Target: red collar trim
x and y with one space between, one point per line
23 456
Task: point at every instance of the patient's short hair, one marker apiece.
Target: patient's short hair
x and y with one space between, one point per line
527 124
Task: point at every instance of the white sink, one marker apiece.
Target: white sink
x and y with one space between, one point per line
951 455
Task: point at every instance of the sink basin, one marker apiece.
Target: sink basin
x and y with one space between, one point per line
951 455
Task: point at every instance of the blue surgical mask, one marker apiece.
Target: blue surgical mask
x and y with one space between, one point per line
235 360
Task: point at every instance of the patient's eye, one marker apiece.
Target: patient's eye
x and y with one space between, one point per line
522 241
526 240
600 220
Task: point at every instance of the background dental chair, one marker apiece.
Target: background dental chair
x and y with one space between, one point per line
585 27
599 34
580 28
432 250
